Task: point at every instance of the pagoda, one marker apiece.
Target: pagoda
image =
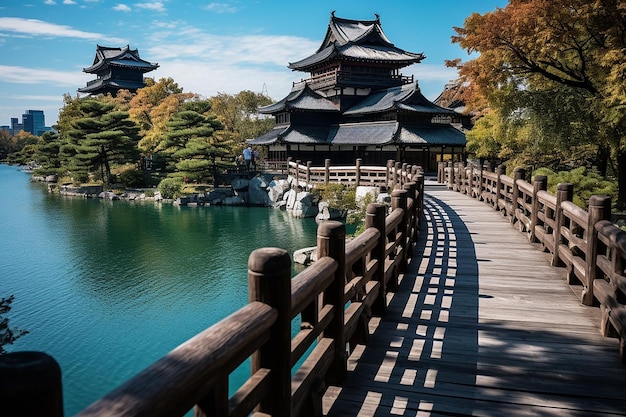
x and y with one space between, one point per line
116 69
357 104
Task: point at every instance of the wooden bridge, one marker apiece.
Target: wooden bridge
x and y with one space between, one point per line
440 308
481 325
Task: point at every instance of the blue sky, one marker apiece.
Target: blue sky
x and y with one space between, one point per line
206 47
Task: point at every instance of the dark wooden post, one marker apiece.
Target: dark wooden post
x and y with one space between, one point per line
440 172
499 173
30 385
297 172
460 178
326 171
397 177
405 173
308 172
540 184
331 241
375 217
398 201
358 171
518 175
599 209
450 175
411 227
269 281
389 175
470 179
564 192
419 179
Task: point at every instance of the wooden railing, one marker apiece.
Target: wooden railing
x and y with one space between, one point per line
392 175
590 247
335 299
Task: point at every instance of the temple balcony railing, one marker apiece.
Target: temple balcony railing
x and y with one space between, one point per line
344 78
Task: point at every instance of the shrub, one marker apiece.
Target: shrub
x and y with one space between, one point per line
132 178
170 187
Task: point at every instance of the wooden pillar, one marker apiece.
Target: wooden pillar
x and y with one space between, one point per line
397 178
358 172
470 179
331 241
375 217
499 172
459 178
297 172
399 201
564 192
326 171
540 184
389 175
269 281
518 175
450 175
30 385
288 164
599 209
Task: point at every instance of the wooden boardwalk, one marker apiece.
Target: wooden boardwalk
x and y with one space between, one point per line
481 326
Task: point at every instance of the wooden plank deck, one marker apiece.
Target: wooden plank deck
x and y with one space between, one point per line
481 326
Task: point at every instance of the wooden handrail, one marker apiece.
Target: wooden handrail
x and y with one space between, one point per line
334 298
585 242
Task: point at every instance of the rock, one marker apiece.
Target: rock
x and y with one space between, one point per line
305 205
275 192
234 201
257 192
329 213
108 195
305 256
290 199
240 184
157 196
217 196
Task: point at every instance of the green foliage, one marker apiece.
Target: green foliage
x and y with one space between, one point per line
7 335
170 187
132 177
357 218
337 195
585 184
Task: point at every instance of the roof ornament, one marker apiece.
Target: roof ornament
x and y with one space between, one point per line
332 14
377 17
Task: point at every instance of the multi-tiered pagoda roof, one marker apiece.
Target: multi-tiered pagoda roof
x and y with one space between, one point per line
116 68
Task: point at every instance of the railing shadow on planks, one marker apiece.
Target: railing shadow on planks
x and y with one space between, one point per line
335 298
590 247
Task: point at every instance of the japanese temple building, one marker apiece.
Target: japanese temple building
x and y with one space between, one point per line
357 104
116 69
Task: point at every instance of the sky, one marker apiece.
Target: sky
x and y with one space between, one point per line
206 47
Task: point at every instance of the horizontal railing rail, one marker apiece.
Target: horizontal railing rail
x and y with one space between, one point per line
334 299
590 248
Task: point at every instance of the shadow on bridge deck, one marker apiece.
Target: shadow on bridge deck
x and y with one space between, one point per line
481 326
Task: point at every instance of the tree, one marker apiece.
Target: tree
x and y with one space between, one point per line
239 115
538 50
7 335
101 137
189 144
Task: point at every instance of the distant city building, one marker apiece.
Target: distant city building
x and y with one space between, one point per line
33 121
117 69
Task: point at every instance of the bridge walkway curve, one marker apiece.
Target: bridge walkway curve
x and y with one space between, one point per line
481 325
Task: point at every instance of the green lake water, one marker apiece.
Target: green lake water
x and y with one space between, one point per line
108 287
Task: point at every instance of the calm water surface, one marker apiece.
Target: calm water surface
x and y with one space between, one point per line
107 288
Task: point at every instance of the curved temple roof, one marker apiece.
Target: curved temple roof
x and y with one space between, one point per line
301 97
122 57
356 40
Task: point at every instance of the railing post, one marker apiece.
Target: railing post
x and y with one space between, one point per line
358 172
405 173
308 172
397 180
288 164
269 281
331 241
440 172
375 217
411 228
326 171
419 180
398 201
470 179
599 209
297 173
564 192
540 184
518 175
389 176
30 385
499 173
450 175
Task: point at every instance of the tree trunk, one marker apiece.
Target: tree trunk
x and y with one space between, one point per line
602 160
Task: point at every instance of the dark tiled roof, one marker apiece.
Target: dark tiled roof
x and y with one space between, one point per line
407 97
124 57
362 40
373 133
432 135
114 84
268 138
301 98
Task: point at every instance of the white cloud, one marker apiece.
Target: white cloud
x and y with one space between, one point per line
156 6
69 2
24 75
220 8
122 8
50 2
34 98
34 27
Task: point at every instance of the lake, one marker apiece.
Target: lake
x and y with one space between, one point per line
108 287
